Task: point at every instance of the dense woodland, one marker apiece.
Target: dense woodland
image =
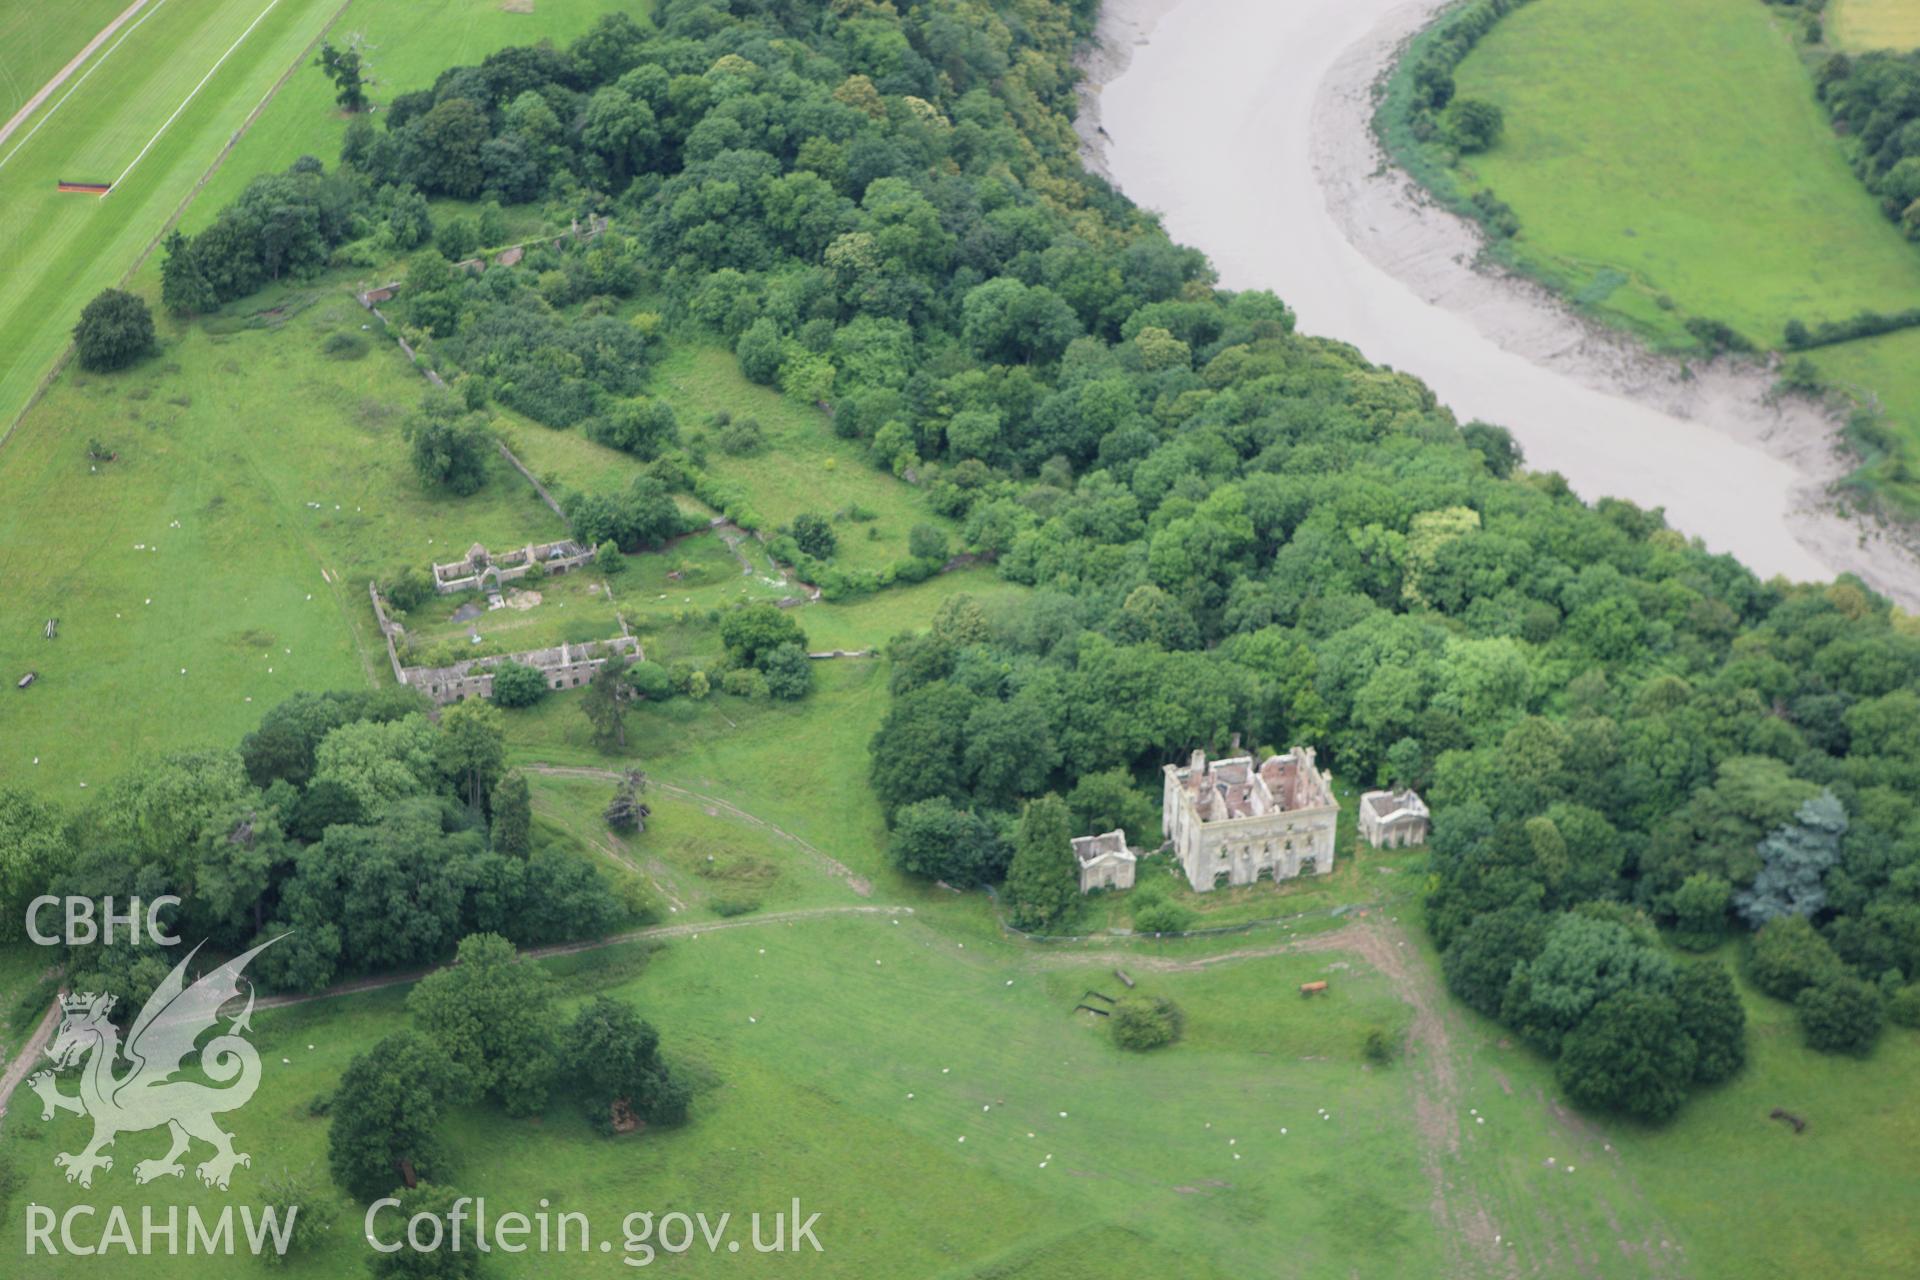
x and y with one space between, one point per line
1228 527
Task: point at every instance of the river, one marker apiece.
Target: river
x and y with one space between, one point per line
1244 123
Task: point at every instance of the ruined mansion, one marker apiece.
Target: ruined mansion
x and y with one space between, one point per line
1231 823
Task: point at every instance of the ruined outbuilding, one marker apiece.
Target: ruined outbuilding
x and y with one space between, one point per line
566 666
1105 862
480 568
1394 819
1231 823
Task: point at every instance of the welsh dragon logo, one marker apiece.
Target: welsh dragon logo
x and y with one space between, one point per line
145 1096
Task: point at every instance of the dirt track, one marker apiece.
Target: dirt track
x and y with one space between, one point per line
29 1055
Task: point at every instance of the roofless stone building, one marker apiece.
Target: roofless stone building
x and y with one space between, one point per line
1231 823
1105 862
1394 819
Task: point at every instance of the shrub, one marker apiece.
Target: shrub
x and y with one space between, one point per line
1141 1022
1863 324
448 448
742 437
744 682
457 238
759 351
754 632
788 672
1801 376
1716 336
927 542
1840 1014
641 426
1713 1017
1788 956
1153 912
1380 1046
408 589
115 329
735 904
344 345
1700 911
518 685
1495 214
1474 125
607 557
651 680
319 1208
933 838
1629 1054
813 535
1903 1010
492 226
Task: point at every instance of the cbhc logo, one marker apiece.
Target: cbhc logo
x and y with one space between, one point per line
83 931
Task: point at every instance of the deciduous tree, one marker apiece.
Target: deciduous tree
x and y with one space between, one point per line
115 329
609 1057
1630 1054
384 1126
493 1015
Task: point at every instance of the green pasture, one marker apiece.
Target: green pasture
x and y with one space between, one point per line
39 40
23 970
803 465
799 765
1667 161
842 1059
673 588
1140 1169
1748 1196
868 622
701 860
258 485
1884 372
1860 25
1677 143
568 607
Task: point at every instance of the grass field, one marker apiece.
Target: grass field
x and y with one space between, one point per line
1677 142
1859 25
1667 160
39 40
664 590
404 45
1134 1175
258 486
